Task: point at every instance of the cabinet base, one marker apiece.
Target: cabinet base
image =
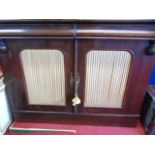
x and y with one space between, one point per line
120 120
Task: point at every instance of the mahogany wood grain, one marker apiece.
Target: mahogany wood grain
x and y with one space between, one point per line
134 36
77 119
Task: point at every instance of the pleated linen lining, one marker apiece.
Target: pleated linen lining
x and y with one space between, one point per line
45 76
106 78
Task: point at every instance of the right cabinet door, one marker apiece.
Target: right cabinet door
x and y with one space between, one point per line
113 75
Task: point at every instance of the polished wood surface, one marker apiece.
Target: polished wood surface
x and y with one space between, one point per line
137 80
133 36
12 67
84 29
112 120
72 21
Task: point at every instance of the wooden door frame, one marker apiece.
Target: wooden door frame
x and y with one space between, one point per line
138 78
12 68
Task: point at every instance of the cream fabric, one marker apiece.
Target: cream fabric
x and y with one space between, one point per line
106 78
44 75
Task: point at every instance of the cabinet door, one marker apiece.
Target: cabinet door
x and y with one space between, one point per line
40 72
114 75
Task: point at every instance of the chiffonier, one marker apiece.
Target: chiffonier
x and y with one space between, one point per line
77 71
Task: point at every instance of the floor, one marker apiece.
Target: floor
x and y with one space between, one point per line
76 129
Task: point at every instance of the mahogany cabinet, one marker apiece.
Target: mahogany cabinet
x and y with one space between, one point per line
80 72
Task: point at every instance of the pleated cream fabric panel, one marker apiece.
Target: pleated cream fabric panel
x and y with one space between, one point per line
106 78
44 75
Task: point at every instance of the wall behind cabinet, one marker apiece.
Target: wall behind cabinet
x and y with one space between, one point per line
152 79
5 116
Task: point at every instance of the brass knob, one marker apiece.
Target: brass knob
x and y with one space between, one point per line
76 101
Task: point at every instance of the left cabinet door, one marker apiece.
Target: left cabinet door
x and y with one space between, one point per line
37 73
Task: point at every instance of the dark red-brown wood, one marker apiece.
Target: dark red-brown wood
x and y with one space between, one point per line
12 67
137 80
134 36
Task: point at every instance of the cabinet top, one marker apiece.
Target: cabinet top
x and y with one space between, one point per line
81 29
75 21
